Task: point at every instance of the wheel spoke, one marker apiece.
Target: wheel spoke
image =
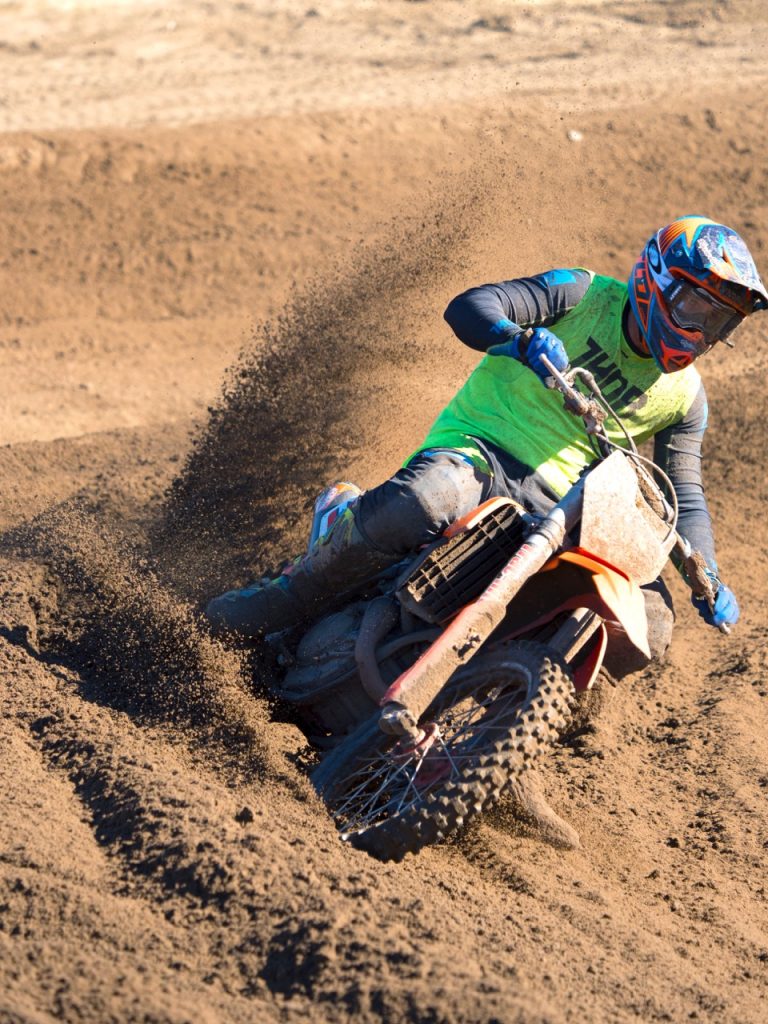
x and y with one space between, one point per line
471 718
412 781
454 770
383 788
388 776
410 786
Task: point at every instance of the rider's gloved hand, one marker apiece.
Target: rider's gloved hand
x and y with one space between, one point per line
528 349
725 610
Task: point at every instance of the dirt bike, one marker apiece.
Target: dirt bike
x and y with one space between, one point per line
435 689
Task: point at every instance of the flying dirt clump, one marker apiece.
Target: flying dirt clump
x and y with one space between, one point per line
139 649
294 408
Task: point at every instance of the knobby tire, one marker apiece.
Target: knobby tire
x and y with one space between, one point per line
504 750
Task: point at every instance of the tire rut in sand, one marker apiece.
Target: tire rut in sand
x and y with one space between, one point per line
137 648
172 831
154 816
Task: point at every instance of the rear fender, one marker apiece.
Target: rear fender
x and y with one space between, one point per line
579 579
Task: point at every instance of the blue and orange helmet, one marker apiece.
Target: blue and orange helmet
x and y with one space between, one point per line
694 283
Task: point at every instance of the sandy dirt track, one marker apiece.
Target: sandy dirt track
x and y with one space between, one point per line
263 209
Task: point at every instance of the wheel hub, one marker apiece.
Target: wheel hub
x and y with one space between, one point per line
431 761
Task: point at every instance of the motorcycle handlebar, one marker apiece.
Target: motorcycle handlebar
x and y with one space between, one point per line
593 415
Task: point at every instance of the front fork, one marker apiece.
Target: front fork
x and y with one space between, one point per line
411 693
575 633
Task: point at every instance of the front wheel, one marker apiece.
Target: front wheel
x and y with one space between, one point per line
392 797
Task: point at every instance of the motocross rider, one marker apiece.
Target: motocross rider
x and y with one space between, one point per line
502 435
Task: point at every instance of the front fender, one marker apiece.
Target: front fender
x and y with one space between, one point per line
579 579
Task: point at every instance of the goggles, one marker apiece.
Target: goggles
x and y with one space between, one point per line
695 309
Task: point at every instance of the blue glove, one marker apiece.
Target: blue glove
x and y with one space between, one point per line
529 351
726 607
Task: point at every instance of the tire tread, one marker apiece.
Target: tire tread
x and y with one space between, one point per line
534 727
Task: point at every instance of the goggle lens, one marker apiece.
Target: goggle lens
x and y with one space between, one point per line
694 309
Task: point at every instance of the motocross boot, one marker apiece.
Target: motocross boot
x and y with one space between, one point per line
337 562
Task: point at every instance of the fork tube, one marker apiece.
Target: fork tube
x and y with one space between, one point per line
413 691
580 626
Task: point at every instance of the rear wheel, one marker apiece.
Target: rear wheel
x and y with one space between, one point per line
391 797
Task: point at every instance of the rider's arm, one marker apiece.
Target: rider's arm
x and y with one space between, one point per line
493 313
678 453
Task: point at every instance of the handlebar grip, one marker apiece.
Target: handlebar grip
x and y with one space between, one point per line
701 584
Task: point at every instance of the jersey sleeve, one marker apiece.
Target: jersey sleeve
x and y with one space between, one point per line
678 452
493 313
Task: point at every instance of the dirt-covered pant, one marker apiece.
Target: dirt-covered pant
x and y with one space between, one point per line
435 489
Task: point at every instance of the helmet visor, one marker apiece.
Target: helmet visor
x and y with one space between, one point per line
694 309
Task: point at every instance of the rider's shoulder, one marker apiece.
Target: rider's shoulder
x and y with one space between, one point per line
566 275
686 386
